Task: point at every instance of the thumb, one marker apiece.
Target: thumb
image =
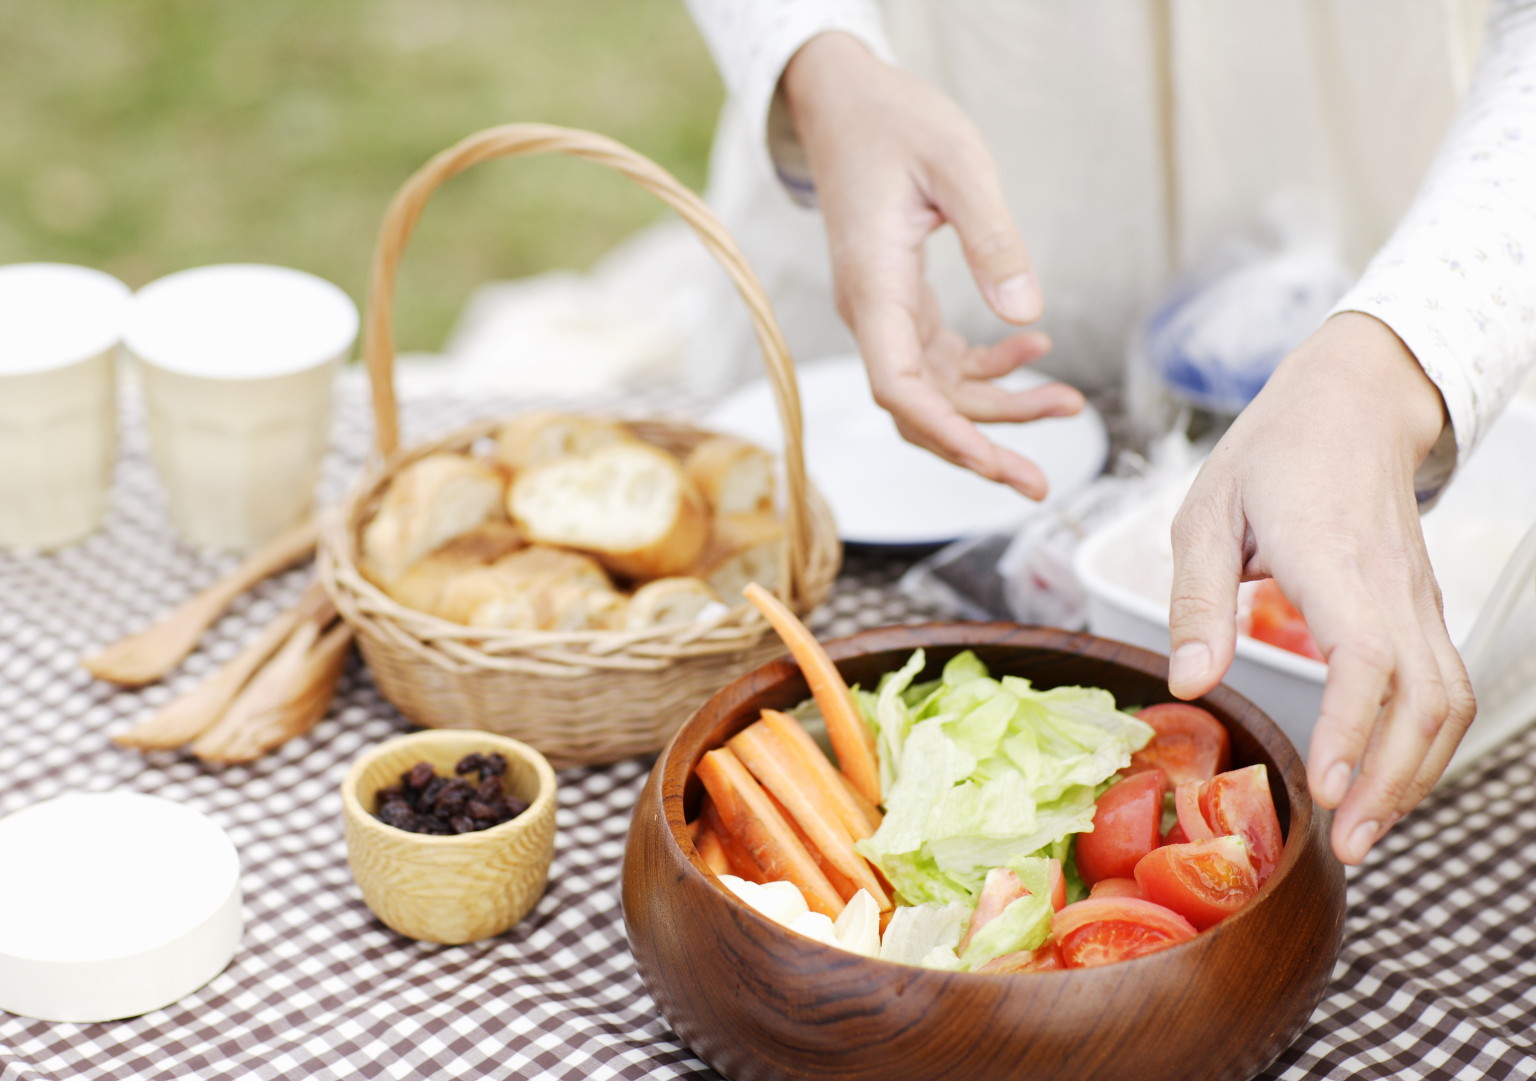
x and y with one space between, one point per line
971 199
1207 566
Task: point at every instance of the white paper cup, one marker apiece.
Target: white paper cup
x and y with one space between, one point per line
59 331
238 364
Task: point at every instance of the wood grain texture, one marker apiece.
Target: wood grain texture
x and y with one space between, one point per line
450 889
758 1002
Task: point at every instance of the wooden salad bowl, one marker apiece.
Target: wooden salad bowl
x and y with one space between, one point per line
757 1001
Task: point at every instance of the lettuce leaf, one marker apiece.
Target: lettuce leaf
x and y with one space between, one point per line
979 772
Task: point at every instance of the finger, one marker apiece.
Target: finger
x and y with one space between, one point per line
988 403
1360 666
1462 708
925 417
1000 358
1397 748
1207 567
969 196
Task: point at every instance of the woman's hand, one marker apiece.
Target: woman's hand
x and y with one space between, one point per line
1313 486
894 160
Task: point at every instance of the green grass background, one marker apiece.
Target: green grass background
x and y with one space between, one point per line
146 136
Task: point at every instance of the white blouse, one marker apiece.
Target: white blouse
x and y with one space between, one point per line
1135 137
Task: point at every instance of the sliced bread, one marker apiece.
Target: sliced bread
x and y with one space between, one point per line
429 503
543 436
628 504
735 476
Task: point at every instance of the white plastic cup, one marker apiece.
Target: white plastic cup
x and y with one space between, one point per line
59 331
238 363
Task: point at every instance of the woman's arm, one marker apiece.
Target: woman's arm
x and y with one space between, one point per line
1314 484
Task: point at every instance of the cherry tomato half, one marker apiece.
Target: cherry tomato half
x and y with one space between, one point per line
1119 887
1190 744
1045 959
1273 619
1203 881
1188 802
1058 884
1126 826
1103 930
1240 802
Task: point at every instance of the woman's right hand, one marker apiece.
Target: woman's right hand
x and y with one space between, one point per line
894 160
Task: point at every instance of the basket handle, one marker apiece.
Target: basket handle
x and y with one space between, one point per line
518 140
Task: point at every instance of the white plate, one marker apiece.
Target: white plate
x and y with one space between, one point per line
884 490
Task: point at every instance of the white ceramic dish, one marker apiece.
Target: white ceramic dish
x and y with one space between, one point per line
1126 567
115 904
882 489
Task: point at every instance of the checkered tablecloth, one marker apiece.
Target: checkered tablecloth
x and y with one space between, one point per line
1437 978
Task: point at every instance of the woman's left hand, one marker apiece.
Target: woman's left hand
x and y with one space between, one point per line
1313 486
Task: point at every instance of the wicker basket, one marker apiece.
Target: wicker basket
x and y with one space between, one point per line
580 697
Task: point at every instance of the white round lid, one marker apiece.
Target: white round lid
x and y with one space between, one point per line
240 321
54 314
110 874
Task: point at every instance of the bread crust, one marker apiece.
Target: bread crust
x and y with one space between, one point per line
734 476
545 435
429 502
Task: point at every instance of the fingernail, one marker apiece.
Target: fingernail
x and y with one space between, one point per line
1189 663
1018 298
1363 837
1335 784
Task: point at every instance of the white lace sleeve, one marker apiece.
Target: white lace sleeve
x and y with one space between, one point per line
1457 279
753 40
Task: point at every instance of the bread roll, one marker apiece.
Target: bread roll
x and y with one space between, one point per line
539 437
628 504
489 597
552 566
429 502
668 600
743 548
736 477
422 586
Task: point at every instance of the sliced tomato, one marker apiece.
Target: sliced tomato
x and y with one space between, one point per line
1126 826
1119 887
1103 930
1189 803
1175 835
1203 881
1045 959
1240 802
1190 744
1058 884
1273 619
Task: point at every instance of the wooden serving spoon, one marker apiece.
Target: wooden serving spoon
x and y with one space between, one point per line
285 699
148 655
190 715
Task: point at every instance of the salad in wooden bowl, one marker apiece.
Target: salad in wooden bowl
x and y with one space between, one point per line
999 870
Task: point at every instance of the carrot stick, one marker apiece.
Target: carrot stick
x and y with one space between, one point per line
851 737
856 814
738 861
711 851
844 885
810 800
749 816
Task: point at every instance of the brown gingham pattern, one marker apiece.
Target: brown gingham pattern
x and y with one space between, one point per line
1437 979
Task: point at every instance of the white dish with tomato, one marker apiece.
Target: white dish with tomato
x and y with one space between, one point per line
1126 569
978 824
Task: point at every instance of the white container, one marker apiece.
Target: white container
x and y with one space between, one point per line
1126 568
238 364
115 904
59 331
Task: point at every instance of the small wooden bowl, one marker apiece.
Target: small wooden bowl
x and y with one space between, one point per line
459 888
757 1001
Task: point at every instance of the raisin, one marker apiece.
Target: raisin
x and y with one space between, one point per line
470 763
462 824
495 765
398 814
418 776
451 800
